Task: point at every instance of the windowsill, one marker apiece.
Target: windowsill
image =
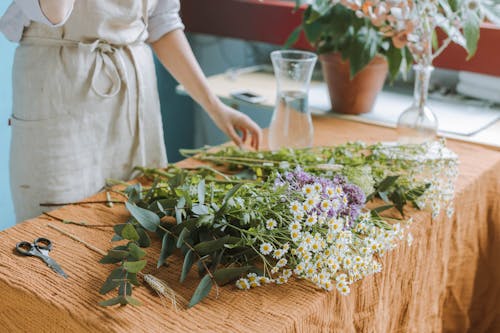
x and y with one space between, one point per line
468 115
271 21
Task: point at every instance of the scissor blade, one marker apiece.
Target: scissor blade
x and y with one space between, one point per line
55 266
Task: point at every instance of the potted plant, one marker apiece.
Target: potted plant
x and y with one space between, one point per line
359 31
354 54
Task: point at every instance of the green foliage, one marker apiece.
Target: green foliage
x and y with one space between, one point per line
338 29
215 222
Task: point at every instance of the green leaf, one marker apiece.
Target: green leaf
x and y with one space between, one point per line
146 218
180 240
382 208
109 260
125 288
188 263
167 248
134 266
200 209
118 254
132 301
383 196
118 228
130 233
112 301
387 183
132 277
394 59
214 245
201 192
226 275
134 193
144 240
293 37
135 251
201 291
471 33
112 281
116 238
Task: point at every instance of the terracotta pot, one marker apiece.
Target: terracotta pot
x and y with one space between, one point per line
357 95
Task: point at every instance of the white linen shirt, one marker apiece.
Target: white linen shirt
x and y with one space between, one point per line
21 13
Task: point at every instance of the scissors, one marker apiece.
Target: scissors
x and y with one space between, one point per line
40 248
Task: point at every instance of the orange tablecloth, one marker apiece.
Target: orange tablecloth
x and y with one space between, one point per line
447 281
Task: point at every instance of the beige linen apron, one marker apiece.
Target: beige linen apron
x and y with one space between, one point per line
85 104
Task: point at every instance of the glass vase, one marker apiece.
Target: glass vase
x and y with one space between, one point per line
418 124
291 124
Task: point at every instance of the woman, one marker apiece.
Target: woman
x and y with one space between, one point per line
85 101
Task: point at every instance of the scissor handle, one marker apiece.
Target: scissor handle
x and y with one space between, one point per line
24 248
43 243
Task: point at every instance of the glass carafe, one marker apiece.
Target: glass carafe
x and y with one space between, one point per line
291 125
418 124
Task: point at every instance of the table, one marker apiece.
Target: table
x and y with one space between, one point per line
447 281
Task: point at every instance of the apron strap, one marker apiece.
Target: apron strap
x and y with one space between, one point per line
109 62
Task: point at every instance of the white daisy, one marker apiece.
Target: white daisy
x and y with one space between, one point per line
271 224
266 248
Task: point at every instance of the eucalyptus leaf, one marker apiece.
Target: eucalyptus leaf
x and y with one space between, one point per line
129 232
118 254
180 240
125 288
116 238
146 218
132 301
225 275
144 239
200 209
214 245
167 248
386 183
134 266
112 301
201 291
107 259
186 266
113 281
201 192
135 251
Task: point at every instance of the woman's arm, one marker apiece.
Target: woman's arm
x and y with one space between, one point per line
56 10
174 52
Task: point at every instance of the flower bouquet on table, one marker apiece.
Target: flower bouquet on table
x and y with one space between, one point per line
260 218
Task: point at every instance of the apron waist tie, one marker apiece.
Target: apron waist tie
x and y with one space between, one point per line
108 61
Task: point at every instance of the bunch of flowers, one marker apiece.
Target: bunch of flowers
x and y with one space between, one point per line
267 216
323 237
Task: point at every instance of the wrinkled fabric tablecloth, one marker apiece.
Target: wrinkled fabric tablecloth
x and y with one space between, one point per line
448 280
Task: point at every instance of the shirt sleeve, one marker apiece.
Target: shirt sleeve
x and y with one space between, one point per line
165 18
33 11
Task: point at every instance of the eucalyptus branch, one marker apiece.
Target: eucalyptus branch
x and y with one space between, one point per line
197 255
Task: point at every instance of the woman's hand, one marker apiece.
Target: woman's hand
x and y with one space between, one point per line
230 121
174 52
56 10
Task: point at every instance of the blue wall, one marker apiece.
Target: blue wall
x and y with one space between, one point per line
6 56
